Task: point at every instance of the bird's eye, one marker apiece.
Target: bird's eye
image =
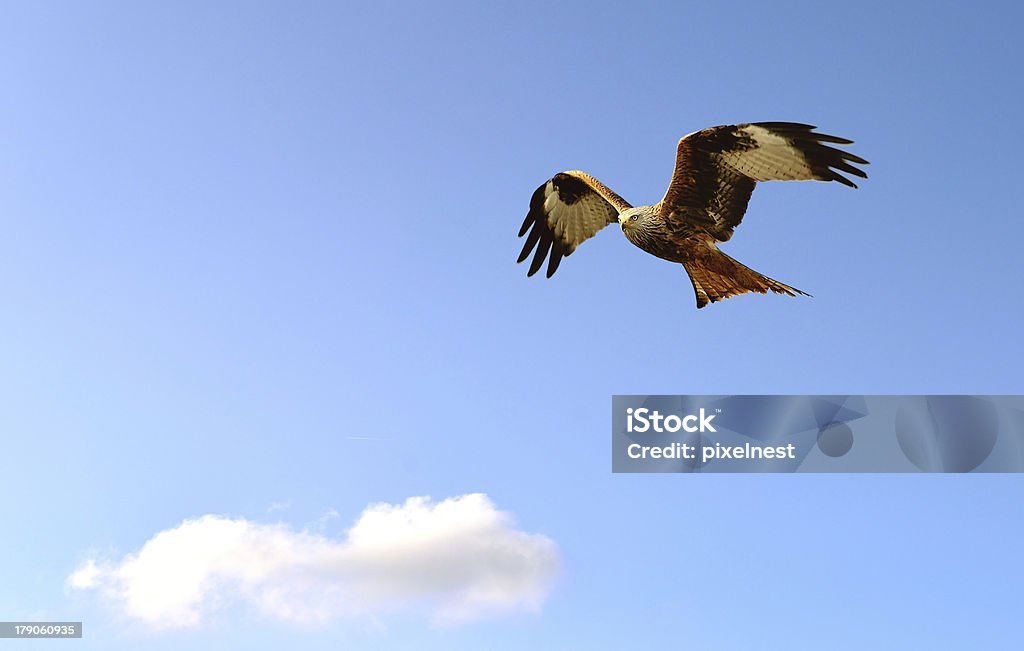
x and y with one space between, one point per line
633 218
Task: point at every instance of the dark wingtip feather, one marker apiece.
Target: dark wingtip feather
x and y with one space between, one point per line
531 241
836 176
842 157
824 137
853 158
525 253
850 169
557 253
786 126
526 224
542 252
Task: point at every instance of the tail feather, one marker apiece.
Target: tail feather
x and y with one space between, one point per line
716 276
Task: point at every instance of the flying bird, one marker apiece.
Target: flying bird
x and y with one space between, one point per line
716 170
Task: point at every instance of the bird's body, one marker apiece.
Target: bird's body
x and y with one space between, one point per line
652 232
715 174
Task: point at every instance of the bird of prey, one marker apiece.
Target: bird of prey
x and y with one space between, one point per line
716 170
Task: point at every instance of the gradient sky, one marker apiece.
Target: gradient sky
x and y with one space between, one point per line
258 260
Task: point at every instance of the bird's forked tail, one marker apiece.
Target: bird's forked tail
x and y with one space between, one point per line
716 276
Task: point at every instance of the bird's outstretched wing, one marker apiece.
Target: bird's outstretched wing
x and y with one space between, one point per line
717 168
567 210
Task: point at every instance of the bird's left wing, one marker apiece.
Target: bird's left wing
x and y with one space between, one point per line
570 208
717 168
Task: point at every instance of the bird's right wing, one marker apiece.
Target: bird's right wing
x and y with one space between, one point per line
570 208
717 168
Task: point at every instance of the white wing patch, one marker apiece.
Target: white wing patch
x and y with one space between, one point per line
574 224
774 159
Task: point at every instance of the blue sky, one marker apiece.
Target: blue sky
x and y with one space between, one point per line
258 262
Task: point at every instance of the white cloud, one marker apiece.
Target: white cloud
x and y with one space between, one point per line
457 559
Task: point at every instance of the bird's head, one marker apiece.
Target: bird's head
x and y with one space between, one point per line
634 218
